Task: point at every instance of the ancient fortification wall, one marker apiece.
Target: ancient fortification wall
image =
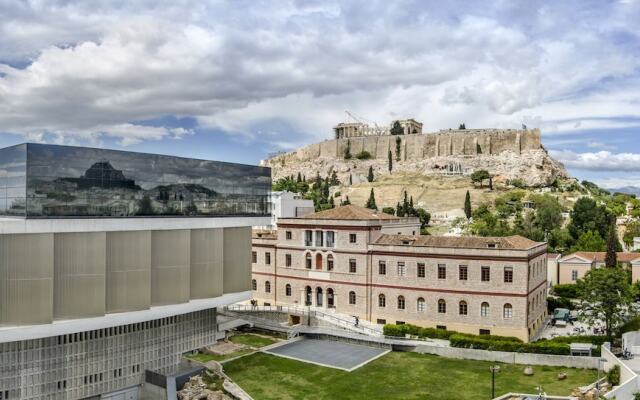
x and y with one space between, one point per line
468 142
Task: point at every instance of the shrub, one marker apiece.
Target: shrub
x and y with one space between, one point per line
363 155
489 343
518 183
434 333
567 290
613 375
631 325
389 210
559 302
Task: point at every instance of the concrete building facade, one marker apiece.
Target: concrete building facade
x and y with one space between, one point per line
377 267
103 277
575 266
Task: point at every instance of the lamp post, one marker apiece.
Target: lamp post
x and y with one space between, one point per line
493 369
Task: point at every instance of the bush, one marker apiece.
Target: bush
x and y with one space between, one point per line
559 302
567 290
489 343
363 155
408 329
389 210
613 375
518 183
631 325
433 333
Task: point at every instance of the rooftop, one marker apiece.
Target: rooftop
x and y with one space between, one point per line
351 212
264 234
476 242
599 256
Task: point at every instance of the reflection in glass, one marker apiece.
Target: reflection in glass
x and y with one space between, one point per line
52 180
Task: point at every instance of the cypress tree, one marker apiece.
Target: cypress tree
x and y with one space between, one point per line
467 205
370 176
371 203
611 259
350 180
299 179
390 161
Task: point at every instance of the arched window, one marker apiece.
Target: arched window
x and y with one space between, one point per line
442 306
254 284
267 287
421 304
462 308
352 297
484 309
330 262
507 311
330 299
287 290
382 301
308 294
400 302
308 261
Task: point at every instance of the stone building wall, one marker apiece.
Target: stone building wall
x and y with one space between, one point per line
467 142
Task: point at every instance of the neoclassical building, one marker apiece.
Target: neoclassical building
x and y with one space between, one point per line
378 267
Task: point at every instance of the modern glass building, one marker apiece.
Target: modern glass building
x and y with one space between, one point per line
113 263
45 181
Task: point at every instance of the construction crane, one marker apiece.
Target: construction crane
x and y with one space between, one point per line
366 122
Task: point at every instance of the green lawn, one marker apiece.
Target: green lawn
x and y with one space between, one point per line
395 376
252 340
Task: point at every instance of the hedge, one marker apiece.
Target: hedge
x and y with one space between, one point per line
568 290
479 342
413 330
433 333
559 302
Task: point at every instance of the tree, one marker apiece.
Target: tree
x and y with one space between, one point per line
371 203
424 216
370 175
480 176
398 147
346 202
334 179
611 258
299 179
605 295
467 205
548 212
347 151
589 241
396 129
389 210
462 126
350 180
390 161
144 206
332 202
586 216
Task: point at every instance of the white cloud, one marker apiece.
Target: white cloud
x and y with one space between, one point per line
599 161
290 71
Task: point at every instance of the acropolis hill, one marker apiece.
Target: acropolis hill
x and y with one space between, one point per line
433 168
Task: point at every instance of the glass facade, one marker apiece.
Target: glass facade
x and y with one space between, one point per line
40 181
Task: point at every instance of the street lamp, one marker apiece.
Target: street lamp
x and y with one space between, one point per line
493 369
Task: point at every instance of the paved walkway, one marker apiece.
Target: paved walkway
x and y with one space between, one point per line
329 353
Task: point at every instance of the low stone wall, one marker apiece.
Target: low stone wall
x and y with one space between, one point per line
510 358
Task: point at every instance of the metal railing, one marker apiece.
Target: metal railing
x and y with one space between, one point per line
306 312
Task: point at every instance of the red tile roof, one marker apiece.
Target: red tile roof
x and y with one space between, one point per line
477 242
350 212
599 256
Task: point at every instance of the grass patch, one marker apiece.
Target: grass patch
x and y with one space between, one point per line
204 358
251 340
395 376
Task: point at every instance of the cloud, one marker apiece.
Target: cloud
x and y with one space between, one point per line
82 71
599 161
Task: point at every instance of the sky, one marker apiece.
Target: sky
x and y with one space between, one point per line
238 80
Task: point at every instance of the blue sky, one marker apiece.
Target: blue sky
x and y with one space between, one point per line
237 80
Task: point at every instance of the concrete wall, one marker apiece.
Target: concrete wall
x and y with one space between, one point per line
510 358
46 276
128 271
206 263
26 279
629 383
170 267
79 275
237 259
